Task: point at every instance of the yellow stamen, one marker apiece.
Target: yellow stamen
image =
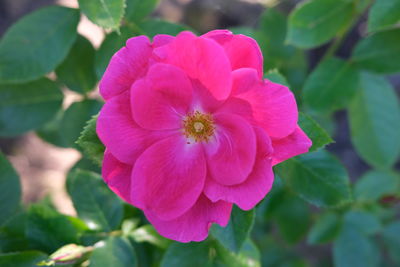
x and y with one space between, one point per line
198 126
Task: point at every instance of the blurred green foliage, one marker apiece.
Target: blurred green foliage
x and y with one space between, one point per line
314 215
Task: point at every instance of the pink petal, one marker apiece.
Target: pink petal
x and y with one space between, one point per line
195 223
162 98
117 176
202 59
168 177
295 144
126 66
247 194
242 51
274 105
162 39
231 154
120 133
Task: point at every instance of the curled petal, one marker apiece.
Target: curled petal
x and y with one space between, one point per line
117 176
127 65
231 153
247 194
274 105
242 51
295 144
202 59
160 100
168 177
195 223
122 136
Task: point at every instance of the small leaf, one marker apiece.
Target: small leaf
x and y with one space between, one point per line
25 107
315 22
374 117
100 208
77 70
318 177
75 118
188 255
363 221
379 52
391 238
90 142
375 184
111 44
325 229
237 231
331 86
248 256
353 249
319 137
115 252
10 190
137 10
105 13
21 259
274 76
48 230
383 14
37 43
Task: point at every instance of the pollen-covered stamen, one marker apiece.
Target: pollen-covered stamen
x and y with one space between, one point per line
198 126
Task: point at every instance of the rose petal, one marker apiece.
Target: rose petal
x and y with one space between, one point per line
242 51
126 66
195 223
274 105
168 177
120 133
202 59
160 100
231 153
295 144
247 194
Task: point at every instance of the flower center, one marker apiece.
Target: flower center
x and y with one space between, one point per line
198 126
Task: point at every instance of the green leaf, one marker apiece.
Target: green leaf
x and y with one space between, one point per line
24 107
248 256
391 238
318 177
379 52
47 230
12 234
37 43
137 10
21 259
75 118
147 233
318 135
292 215
353 249
111 44
331 86
375 184
237 231
325 229
188 255
90 142
77 70
97 205
383 14
153 27
365 222
375 121
315 22
105 13
10 190
116 252
274 76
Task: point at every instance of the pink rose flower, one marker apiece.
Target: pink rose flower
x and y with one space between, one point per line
190 128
